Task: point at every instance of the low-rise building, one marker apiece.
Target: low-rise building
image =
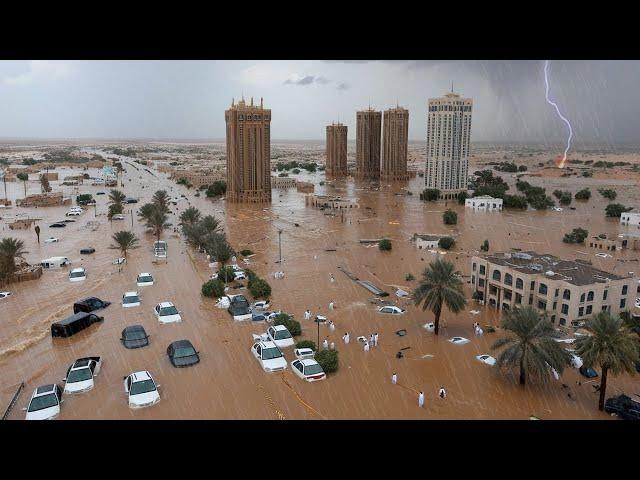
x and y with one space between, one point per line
630 219
425 242
484 202
328 201
566 290
198 178
603 243
305 187
283 182
43 200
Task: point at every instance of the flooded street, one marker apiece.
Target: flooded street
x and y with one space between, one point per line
228 382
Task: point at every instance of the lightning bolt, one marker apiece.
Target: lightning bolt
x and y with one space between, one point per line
551 102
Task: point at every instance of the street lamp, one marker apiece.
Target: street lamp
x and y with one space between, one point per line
280 245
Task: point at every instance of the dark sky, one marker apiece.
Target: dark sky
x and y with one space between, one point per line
186 99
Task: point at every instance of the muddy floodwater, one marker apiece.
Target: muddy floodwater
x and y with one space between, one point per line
228 382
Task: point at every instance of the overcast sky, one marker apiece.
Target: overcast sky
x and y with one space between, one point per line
187 99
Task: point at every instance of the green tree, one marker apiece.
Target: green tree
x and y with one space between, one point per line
440 286
114 209
430 194
218 248
611 346
446 242
615 210
211 224
23 177
213 288
125 240
385 245
515 201
577 235
328 360
260 288
485 246
117 197
45 187
161 200
190 216
292 325
608 193
462 196
530 345
449 217
584 194
10 249
219 187
307 344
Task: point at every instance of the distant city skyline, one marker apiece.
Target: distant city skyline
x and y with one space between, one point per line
186 100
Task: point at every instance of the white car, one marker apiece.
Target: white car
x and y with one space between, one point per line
603 255
261 305
45 403
557 209
141 390
302 353
308 370
80 375
144 280
269 355
5 294
167 313
239 275
576 361
279 335
52 240
118 216
236 268
120 261
459 340
488 359
392 309
638 302
78 275
130 299
73 213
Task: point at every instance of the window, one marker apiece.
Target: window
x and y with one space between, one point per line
624 289
518 298
623 303
533 285
508 279
566 294
519 284
542 305
481 269
563 321
507 294
557 292
481 282
581 311
604 295
604 308
590 297
496 275
582 297
493 290
589 309
565 309
542 289
474 266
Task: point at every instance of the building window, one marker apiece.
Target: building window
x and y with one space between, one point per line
497 275
604 295
518 298
590 297
553 319
481 282
565 309
623 303
557 292
507 294
624 289
542 289
481 269
542 305
508 279
493 290
582 297
473 266
604 308
563 321
566 294
581 311
519 283
589 309
533 286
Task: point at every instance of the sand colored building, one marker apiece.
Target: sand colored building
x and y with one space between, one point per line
248 152
368 123
448 138
43 200
426 241
336 163
283 182
395 144
567 290
328 202
305 187
197 178
484 202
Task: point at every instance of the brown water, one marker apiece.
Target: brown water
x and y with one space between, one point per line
228 383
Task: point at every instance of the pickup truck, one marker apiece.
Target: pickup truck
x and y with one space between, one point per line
80 375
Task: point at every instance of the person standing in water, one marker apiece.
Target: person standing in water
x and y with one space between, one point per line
394 378
421 400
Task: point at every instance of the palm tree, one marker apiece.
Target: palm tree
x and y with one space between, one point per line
44 184
146 211
117 197
157 222
440 286
161 200
10 249
37 230
611 346
211 224
218 249
114 209
125 240
530 344
23 177
190 216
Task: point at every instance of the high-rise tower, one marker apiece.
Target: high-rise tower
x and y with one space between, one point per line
395 142
368 123
336 165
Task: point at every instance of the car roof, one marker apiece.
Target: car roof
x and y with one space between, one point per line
144 274
134 328
279 327
74 317
305 349
82 362
79 269
267 344
166 304
307 362
130 294
141 376
44 389
181 343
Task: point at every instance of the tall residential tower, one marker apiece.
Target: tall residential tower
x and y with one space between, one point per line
336 165
448 136
368 123
395 143
248 153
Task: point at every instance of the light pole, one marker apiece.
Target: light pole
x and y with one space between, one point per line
318 323
280 245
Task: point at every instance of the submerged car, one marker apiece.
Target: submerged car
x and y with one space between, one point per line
77 275
302 353
181 353
45 403
87 251
258 317
279 335
144 279
308 370
269 356
134 336
141 390
587 372
80 375
459 340
130 299
487 359
58 225
52 240
261 305
74 324
118 216
392 309
89 304
5 294
624 407
166 312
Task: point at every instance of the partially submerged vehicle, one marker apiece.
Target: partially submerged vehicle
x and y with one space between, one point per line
80 374
55 262
134 336
45 403
308 369
78 275
624 407
144 279
141 389
182 353
269 356
74 324
280 335
89 304
130 299
160 249
166 312
302 353
239 307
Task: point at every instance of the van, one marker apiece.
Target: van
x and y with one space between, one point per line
55 262
89 304
75 323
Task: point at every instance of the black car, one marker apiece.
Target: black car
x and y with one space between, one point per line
99 193
87 251
623 406
258 317
89 304
75 323
588 372
134 337
58 225
131 200
67 221
182 354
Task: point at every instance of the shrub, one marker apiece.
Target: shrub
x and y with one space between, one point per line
462 196
446 243
246 252
225 274
251 276
577 235
219 187
328 360
587 173
584 194
213 288
565 198
485 246
260 288
608 193
306 344
522 168
292 325
295 171
450 217
384 244
515 201
409 277
430 194
84 198
615 209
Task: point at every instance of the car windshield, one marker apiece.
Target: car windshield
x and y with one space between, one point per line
168 311
282 334
145 279
271 353
42 402
184 352
144 386
135 335
313 369
76 274
79 375
131 299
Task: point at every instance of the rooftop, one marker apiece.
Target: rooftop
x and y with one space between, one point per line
575 272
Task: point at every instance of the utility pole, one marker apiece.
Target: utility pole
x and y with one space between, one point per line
318 322
280 245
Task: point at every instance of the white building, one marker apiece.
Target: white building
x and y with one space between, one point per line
484 202
630 218
426 242
448 136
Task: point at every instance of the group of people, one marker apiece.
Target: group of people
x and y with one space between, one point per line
278 275
328 346
442 393
373 342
